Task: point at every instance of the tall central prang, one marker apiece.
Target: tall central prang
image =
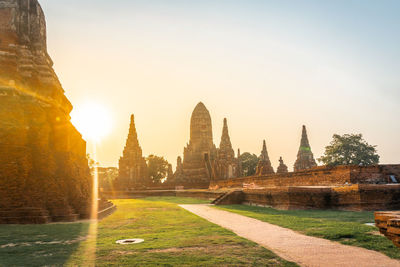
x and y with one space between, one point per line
200 151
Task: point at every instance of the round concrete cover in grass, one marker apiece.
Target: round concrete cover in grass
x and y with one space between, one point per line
130 241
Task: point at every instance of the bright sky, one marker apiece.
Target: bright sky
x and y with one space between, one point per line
268 66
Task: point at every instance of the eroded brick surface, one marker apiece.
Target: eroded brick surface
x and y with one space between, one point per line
44 170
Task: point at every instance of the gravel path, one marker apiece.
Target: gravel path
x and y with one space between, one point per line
292 246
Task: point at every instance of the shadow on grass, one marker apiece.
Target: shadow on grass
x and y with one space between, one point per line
40 245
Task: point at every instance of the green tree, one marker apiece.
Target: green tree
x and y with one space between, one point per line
349 149
249 163
157 167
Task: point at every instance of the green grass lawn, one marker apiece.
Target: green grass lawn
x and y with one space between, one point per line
342 226
178 200
173 237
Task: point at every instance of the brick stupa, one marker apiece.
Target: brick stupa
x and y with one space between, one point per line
133 173
305 158
264 166
226 165
200 152
282 168
44 174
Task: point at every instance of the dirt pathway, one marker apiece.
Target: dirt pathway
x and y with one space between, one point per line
292 246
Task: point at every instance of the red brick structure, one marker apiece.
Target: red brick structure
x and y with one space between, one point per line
319 176
264 166
343 187
133 172
305 158
202 161
226 166
389 225
200 152
282 168
44 174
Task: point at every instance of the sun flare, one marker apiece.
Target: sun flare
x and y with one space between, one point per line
92 120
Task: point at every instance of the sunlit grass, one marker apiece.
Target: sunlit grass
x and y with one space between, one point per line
179 200
345 227
173 237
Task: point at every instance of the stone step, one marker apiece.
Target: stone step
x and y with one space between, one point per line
106 212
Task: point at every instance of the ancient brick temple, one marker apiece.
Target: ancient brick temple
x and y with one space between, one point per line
226 166
133 172
282 168
178 175
264 166
200 152
305 158
44 174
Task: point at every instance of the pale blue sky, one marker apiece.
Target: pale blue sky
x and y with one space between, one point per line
268 66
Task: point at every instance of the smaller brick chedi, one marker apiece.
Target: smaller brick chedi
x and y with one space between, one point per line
133 173
226 166
305 158
282 168
264 166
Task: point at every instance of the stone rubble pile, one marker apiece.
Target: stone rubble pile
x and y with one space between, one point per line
388 223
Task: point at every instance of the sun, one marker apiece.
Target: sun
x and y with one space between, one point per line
93 121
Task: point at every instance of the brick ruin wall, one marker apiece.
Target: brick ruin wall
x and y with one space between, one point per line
44 173
354 198
319 176
344 187
202 194
367 188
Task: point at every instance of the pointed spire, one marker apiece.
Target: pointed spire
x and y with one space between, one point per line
132 164
264 153
132 136
305 144
305 158
170 173
225 164
264 166
225 139
178 175
239 164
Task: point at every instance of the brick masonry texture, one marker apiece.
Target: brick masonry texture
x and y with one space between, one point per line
343 187
44 173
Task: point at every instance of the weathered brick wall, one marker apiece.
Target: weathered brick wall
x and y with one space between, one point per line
355 197
203 194
172 186
320 176
43 162
42 158
374 174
